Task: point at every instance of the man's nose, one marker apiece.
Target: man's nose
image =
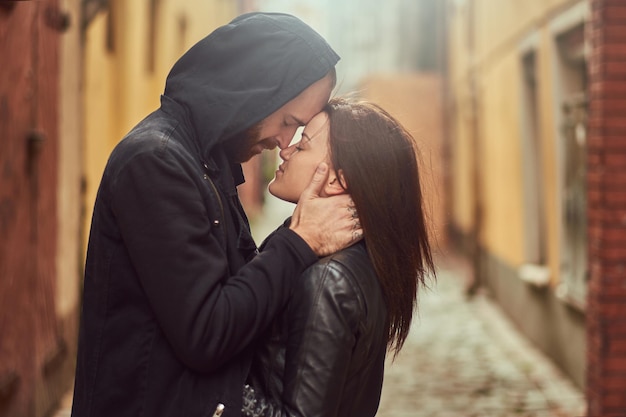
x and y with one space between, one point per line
286 137
285 153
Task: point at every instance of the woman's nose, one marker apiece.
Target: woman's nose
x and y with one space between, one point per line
285 153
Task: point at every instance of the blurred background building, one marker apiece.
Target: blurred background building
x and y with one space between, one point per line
517 119
517 107
535 130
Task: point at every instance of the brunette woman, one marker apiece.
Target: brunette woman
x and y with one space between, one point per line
324 355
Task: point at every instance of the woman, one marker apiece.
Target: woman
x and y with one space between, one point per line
324 355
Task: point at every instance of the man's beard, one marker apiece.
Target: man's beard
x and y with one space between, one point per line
238 147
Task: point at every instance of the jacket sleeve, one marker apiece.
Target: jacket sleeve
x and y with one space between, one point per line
206 315
323 318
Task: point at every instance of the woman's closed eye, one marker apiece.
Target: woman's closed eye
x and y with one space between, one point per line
300 145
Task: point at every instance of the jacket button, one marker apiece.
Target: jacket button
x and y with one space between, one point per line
205 176
216 222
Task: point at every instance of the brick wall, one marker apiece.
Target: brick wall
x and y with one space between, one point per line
606 313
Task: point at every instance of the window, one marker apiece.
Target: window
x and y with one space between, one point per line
534 270
534 213
571 79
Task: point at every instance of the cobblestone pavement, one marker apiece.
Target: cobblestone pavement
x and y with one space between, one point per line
463 358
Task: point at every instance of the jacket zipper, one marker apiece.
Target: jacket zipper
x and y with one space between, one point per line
219 200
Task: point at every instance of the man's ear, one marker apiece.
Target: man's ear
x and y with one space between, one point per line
333 185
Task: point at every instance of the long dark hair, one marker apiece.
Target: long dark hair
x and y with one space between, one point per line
379 160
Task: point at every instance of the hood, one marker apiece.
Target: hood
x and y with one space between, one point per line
244 71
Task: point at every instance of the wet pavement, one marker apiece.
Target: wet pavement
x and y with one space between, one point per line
463 357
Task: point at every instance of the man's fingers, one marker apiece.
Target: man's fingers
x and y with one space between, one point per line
317 182
356 228
352 211
357 235
326 224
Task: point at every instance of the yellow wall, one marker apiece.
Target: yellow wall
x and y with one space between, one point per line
485 39
119 88
500 162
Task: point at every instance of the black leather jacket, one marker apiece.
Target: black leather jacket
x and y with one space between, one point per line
325 354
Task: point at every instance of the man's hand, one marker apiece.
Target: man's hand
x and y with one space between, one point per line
327 224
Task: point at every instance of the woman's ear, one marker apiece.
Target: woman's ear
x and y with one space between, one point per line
333 185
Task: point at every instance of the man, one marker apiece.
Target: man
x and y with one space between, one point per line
174 289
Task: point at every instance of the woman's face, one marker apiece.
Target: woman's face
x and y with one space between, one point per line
301 159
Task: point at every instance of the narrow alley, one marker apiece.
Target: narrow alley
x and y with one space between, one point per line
517 110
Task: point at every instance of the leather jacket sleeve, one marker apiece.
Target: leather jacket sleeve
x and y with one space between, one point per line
323 319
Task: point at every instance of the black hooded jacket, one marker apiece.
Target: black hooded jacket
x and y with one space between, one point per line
174 289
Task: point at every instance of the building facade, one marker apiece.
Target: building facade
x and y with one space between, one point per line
534 98
517 110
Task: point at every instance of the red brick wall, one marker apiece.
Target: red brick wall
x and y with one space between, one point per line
606 313
31 346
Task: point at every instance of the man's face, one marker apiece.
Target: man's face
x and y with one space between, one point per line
301 159
278 129
239 147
